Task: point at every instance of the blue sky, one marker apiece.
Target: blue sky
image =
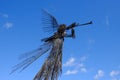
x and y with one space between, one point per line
93 55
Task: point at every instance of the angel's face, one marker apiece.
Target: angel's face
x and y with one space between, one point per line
62 28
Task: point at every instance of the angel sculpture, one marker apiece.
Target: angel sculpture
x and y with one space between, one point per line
52 67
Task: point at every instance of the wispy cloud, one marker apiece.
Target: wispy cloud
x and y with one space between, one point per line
91 42
69 72
115 79
4 15
99 75
114 74
107 21
8 25
83 58
84 70
80 65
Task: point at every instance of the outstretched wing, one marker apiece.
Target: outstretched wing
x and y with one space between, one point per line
30 57
49 22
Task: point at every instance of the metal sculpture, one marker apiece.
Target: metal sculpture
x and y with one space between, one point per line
52 67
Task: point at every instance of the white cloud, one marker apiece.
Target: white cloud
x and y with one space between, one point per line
114 73
80 65
100 74
69 72
83 70
70 62
77 66
83 58
8 25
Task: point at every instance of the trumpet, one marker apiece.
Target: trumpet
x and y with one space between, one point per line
73 25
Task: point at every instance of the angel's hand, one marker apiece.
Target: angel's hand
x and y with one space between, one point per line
73 33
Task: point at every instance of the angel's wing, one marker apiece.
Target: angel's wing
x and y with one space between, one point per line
49 22
30 57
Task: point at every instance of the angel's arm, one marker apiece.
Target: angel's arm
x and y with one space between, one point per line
72 34
50 38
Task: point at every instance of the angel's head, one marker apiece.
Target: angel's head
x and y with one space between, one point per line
62 28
